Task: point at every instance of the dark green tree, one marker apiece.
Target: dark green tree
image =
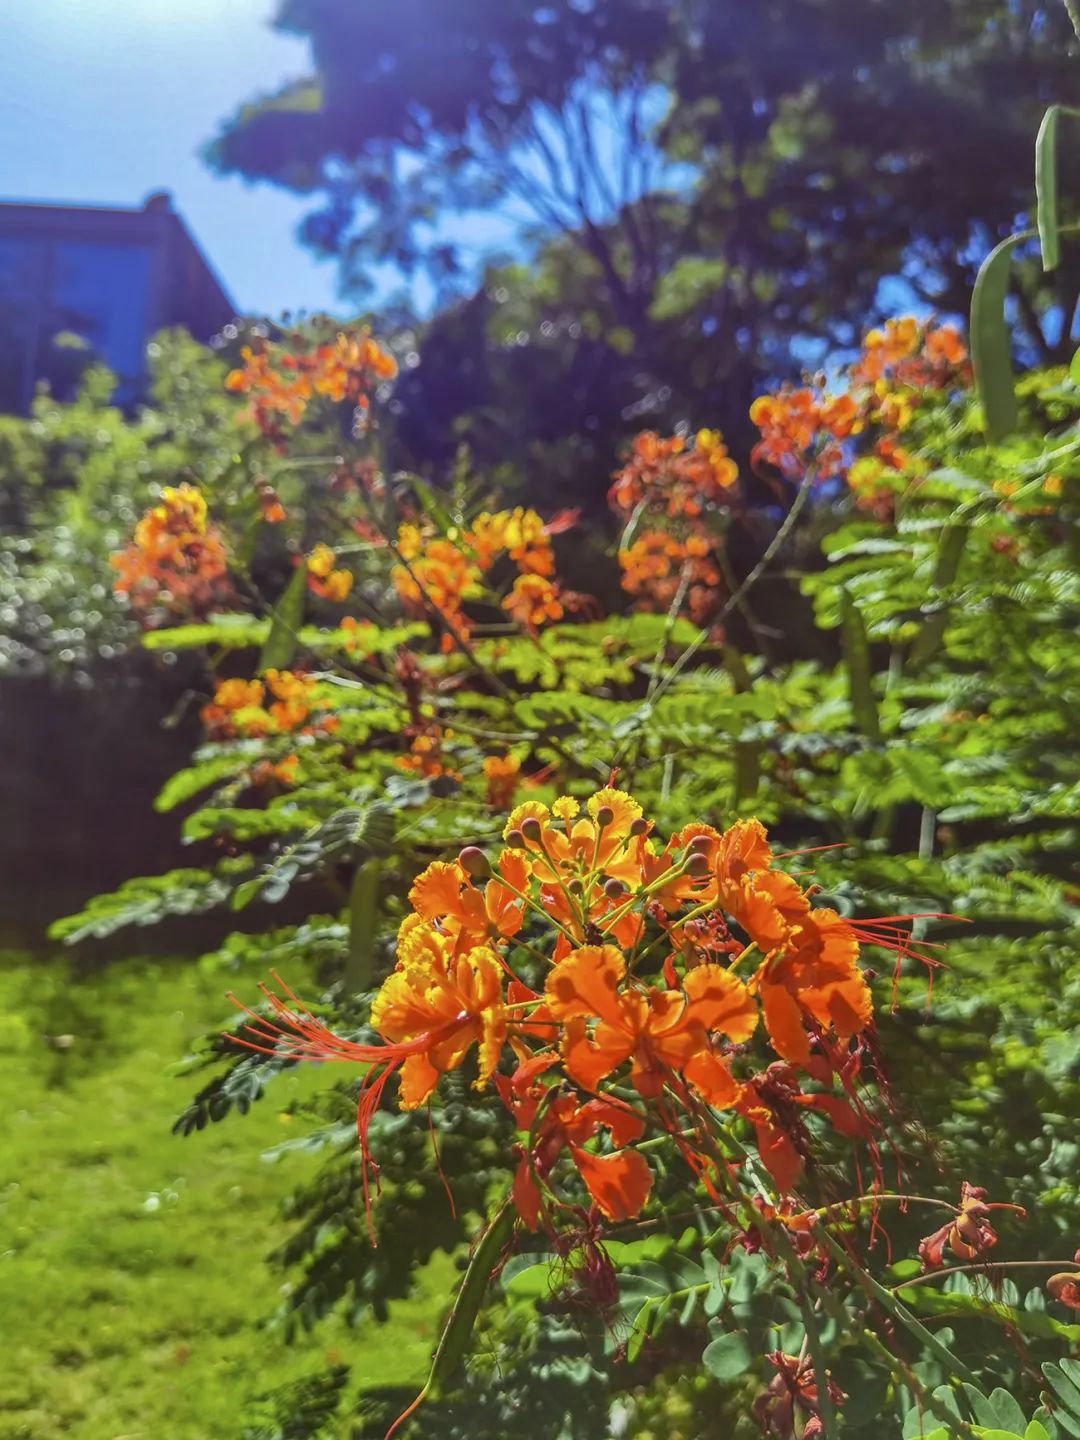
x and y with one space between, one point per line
709 191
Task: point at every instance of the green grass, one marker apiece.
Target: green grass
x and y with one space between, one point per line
132 1274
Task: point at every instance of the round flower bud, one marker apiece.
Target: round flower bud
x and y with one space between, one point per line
604 816
1065 1288
474 862
614 889
698 864
515 840
639 826
700 844
530 828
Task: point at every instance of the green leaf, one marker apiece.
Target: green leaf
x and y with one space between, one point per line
1064 1382
1046 192
363 910
991 343
232 632
859 669
729 1356
144 901
280 647
187 783
946 567
533 1282
1008 1410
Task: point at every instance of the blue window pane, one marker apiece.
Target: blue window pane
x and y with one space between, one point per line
20 290
100 293
64 303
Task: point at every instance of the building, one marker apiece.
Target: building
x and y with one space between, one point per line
80 282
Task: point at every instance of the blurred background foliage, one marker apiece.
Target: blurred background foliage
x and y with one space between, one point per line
695 201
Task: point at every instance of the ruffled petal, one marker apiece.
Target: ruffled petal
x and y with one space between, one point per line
618 1183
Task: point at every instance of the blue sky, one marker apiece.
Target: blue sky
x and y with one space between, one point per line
103 101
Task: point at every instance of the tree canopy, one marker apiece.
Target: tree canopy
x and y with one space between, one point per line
709 193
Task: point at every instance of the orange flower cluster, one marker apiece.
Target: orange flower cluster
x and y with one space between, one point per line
676 485
282 383
897 366
665 963
673 477
239 708
533 602
437 576
912 353
176 562
803 426
442 573
323 579
655 564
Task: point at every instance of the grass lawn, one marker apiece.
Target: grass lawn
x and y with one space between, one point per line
131 1262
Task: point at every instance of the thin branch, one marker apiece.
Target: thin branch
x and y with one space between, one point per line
1032 324
755 574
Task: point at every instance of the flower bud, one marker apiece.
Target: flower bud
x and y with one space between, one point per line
575 887
604 816
474 862
697 864
639 826
614 889
515 840
530 828
700 845
1065 1288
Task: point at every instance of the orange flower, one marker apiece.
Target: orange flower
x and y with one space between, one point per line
236 709
672 478
619 1183
438 578
810 967
321 561
445 894
800 428
603 843
323 579
450 1002
658 1031
533 601
815 973
913 354
487 538
969 1233
175 564
525 536
501 773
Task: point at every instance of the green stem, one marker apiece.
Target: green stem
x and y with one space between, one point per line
980 1270
893 1307
461 1321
